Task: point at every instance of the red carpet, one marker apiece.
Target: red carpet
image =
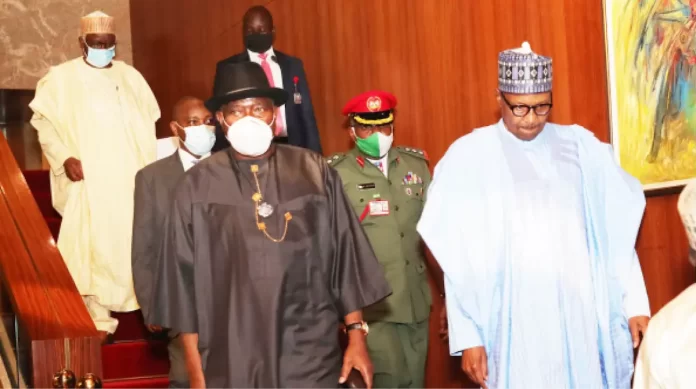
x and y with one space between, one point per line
147 382
134 360
130 326
125 360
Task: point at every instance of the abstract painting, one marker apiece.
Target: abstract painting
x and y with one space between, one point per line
651 50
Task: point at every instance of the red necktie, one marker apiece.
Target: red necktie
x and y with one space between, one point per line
269 75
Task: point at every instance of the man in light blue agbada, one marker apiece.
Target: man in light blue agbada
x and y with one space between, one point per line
534 226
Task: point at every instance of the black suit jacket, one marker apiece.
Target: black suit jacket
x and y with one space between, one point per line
301 123
154 190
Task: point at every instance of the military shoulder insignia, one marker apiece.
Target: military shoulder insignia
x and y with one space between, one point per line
414 151
335 159
360 161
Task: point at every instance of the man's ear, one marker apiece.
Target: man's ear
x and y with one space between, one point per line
499 98
83 45
174 128
220 117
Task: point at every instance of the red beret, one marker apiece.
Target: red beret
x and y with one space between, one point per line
370 102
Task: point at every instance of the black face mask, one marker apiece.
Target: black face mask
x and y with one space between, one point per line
258 43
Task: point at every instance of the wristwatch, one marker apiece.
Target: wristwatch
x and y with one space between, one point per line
358 326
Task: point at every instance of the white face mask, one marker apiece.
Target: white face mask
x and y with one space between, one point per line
385 143
199 139
250 136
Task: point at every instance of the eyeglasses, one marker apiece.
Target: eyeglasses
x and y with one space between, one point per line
521 110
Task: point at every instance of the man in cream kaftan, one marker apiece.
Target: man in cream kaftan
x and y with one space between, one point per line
667 355
534 226
99 116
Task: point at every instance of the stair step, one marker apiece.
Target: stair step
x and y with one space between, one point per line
131 362
38 181
54 226
131 326
45 203
144 382
134 359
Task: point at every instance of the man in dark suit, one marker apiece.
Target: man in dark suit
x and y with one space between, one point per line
154 186
295 124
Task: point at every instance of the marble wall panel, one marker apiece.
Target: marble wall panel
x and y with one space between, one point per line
38 34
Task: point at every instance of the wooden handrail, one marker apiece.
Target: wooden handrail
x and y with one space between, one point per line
52 316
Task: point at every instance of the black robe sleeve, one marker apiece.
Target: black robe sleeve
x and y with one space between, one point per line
174 298
357 278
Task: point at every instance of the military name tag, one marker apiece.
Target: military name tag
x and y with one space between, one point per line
379 208
369 185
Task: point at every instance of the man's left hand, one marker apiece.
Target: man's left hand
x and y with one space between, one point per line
638 325
356 357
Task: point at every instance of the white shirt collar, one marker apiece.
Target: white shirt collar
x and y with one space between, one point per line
533 144
269 53
189 160
384 162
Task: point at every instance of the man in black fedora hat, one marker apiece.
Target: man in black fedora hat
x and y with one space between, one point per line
263 256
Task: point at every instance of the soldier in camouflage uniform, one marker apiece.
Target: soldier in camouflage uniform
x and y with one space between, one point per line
387 187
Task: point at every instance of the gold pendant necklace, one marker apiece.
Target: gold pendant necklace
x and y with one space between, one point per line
265 210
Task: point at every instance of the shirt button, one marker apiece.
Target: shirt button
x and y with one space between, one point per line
402 234
396 208
389 182
407 262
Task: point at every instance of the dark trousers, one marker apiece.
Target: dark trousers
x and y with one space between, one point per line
178 376
398 352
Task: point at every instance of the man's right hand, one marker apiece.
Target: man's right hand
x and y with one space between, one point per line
475 365
73 169
154 328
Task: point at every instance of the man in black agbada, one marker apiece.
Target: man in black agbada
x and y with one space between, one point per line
263 257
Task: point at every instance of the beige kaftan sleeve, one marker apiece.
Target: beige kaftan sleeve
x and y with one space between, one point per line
48 124
147 99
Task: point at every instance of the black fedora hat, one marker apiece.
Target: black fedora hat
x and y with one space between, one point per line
242 80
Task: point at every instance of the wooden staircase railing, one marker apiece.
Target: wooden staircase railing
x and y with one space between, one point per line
55 330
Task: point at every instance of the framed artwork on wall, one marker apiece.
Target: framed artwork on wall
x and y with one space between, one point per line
651 60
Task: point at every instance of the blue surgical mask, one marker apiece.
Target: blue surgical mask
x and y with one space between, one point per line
199 139
100 58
